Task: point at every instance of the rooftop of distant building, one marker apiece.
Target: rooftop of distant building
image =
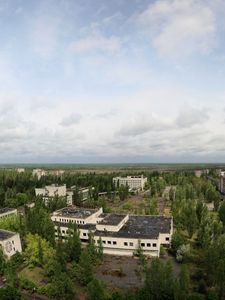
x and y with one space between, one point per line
5 234
75 212
141 227
112 219
6 209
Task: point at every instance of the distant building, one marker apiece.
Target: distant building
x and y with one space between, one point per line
51 191
222 184
39 173
56 172
133 182
199 173
20 170
10 242
84 192
6 212
120 234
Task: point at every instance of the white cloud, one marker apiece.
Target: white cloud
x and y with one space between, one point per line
190 116
180 27
96 42
71 119
44 35
143 123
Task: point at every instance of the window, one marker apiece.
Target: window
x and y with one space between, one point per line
167 238
131 244
84 234
125 243
63 231
148 245
114 242
103 242
109 242
154 245
142 244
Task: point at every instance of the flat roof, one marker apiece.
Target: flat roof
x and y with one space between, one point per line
145 227
112 219
6 209
5 234
75 212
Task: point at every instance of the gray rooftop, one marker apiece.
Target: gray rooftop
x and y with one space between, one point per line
6 209
112 219
5 234
75 212
145 227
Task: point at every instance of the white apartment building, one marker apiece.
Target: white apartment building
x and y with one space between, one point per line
50 191
120 234
20 170
222 184
83 192
10 242
39 173
133 182
6 212
56 172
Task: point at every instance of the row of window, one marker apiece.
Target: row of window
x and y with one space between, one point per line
131 244
72 221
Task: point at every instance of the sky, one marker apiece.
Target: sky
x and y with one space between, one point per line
112 81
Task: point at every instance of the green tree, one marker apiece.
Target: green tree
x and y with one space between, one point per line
95 290
32 251
222 212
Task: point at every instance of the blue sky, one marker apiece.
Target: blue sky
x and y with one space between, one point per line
112 81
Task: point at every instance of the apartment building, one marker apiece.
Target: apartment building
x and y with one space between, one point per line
20 170
84 192
120 234
50 191
222 184
39 173
133 182
6 212
199 173
10 242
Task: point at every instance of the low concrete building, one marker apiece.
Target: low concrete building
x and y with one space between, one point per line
10 242
6 212
120 234
133 182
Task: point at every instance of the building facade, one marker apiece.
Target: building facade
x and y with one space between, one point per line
51 191
222 184
120 234
10 242
6 212
39 173
133 182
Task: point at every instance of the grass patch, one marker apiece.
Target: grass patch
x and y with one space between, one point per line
34 274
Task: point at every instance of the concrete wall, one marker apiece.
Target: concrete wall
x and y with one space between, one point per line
11 245
127 246
8 213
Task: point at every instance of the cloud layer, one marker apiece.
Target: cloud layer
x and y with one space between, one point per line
99 81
